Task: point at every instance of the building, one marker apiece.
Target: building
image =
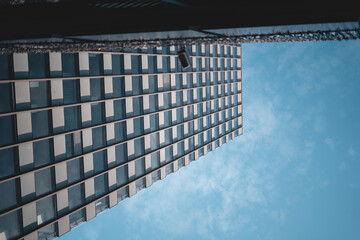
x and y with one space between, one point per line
82 131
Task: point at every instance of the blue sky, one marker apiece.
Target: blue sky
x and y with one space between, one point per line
293 174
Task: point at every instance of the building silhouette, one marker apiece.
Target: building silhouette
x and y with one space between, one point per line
82 131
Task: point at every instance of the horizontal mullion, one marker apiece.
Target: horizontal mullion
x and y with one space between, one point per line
109 169
124 186
113 122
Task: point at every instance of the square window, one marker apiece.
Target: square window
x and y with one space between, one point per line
7 163
96 89
9 197
97 113
101 185
38 65
10 225
76 196
43 152
39 94
74 170
99 139
121 153
41 123
5 97
77 218
48 232
71 91
69 64
7 130
72 118
44 181
45 210
99 161
95 64
122 175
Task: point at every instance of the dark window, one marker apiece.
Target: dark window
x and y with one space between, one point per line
42 152
118 86
97 113
7 130
101 185
5 97
10 224
44 181
71 91
139 147
122 175
155 160
101 205
73 144
119 109
120 131
74 170
39 94
140 167
48 232
96 88
154 122
153 102
99 139
121 153
69 64
99 161
37 65
77 217
45 210
117 64
40 123
8 191
137 106
72 118
76 196
4 66
95 64
7 163
138 126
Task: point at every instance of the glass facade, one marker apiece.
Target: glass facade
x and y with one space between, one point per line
82 131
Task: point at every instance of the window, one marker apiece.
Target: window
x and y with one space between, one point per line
43 152
5 97
122 175
101 205
45 210
154 141
153 103
99 161
76 196
154 122
121 153
37 65
39 94
7 130
119 109
44 181
96 89
120 131
4 67
95 64
137 106
139 149
101 185
155 176
140 184
155 160
74 170
7 163
140 167
99 139
69 64
9 197
10 225
48 232
117 64
118 86
181 162
73 144
71 91
77 218
169 154
123 193
138 126
97 113
40 123
169 169
72 118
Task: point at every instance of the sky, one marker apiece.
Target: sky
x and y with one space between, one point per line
293 174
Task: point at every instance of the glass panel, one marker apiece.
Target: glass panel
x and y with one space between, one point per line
155 176
123 193
7 130
121 153
154 122
99 161
74 170
169 169
43 152
72 118
99 138
138 126
154 141
4 66
101 185
168 154
97 113
10 225
40 123
71 91
7 163
119 109
77 218
73 144
136 85
76 196
139 149
155 160
122 175
140 184
95 64
69 64
120 131
37 65
116 64
137 106
153 103
101 205
118 86
5 97
44 181
39 94
8 191
48 232
97 88
140 167
45 210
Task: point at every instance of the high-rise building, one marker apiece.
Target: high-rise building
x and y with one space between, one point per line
81 131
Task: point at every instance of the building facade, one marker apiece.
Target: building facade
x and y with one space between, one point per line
79 132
